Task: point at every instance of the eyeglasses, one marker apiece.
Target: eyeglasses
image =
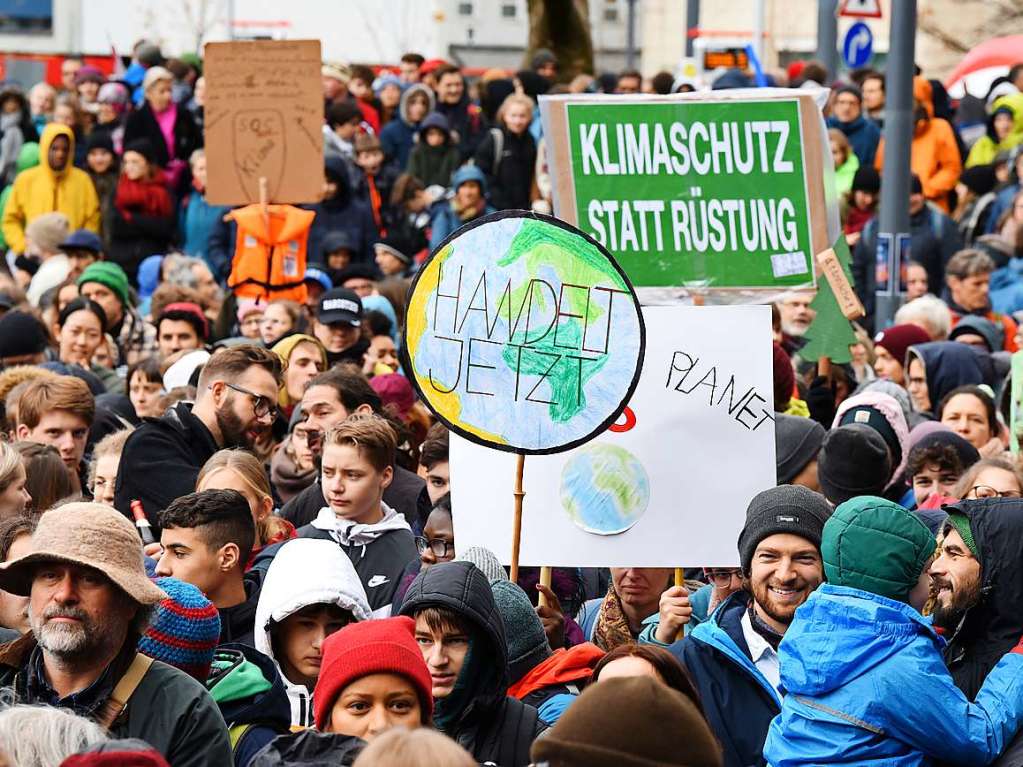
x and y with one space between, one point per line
985 491
723 577
261 407
439 547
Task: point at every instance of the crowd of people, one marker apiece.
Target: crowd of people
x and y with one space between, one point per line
226 527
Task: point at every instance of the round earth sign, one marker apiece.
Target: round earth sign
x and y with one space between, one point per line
523 334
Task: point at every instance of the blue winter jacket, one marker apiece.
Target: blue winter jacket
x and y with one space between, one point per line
738 700
866 684
196 223
444 220
863 135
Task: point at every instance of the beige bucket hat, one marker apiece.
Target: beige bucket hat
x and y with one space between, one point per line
91 535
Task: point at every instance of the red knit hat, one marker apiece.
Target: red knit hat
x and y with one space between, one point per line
898 338
385 646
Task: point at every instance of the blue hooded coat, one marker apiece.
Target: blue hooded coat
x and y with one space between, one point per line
445 219
948 365
866 684
737 699
863 135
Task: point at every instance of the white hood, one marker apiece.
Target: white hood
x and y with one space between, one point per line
349 533
304 572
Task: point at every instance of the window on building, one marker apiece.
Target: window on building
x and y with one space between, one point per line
508 10
611 14
465 9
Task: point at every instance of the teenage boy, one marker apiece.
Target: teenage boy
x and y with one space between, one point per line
329 399
59 412
433 463
356 467
462 637
207 538
311 591
338 318
181 326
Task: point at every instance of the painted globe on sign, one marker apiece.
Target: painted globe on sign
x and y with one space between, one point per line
604 489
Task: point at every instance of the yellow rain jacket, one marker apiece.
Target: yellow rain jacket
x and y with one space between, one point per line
42 190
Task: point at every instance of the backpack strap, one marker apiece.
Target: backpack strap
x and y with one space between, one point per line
118 700
237 734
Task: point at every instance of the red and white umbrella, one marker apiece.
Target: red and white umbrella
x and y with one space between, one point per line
985 62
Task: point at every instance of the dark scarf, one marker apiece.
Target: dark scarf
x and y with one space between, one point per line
771 636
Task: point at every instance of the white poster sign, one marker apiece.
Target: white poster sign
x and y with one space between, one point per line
669 483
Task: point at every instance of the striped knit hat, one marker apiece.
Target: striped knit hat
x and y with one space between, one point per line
185 629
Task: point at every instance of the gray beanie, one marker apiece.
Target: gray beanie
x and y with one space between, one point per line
485 560
797 441
789 509
527 641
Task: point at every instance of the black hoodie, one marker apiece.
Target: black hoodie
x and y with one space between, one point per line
994 625
492 727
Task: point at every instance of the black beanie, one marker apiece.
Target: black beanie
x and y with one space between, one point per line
866 180
853 461
792 509
979 179
21 334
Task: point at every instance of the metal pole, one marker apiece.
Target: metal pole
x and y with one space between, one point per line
630 36
893 225
692 24
827 35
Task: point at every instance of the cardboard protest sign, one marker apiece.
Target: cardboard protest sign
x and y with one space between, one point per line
721 190
264 111
669 483
523 334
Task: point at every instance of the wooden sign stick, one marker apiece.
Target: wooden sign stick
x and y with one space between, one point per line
517 528
680 580
264 203
545 580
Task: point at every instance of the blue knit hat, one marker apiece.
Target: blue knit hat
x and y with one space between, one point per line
185 629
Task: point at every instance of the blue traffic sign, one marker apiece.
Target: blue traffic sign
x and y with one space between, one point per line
858 45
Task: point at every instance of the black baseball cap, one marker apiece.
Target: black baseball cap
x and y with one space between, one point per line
340 305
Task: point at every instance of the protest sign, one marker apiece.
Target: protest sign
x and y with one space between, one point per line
264 109
523 334
721 190
667 485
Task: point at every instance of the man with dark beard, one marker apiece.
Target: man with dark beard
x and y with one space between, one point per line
235 404
977 581
733 655
89 602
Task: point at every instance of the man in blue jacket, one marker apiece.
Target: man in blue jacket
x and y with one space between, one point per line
733 656
863 669
847 115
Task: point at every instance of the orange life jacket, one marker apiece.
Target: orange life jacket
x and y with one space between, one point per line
270 265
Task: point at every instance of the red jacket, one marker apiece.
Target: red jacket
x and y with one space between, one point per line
572 665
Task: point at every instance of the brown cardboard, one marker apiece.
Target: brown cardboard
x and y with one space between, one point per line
842 289
264 112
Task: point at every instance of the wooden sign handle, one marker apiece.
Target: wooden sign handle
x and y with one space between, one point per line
545 580
517 525
264 202
824 367
680 580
